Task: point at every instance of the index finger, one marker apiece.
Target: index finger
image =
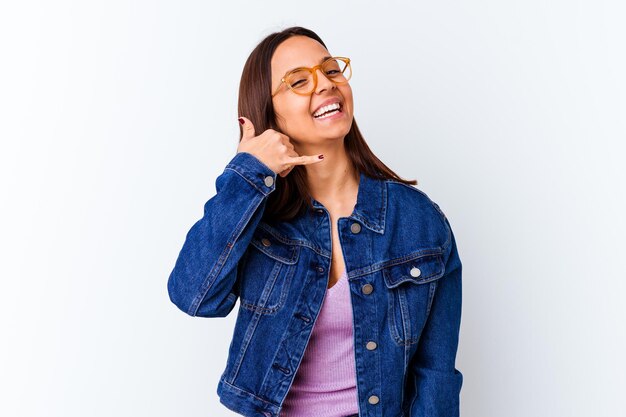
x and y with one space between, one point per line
306 159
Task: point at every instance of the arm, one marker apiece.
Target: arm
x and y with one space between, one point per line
437 380
203 279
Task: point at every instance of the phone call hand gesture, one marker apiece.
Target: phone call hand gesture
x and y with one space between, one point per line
273 149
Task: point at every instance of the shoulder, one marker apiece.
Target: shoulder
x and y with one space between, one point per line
417 208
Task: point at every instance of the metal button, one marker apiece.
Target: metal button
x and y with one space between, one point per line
320 211
367 289
355 228
373 399
415 272
320 268
269 180
265 242
371 345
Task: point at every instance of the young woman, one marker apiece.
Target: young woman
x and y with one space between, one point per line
348 277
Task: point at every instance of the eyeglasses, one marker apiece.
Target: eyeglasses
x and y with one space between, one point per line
303 80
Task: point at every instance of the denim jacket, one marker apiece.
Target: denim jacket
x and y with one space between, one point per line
404 274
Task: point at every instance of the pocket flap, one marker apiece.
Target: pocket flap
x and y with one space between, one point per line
419 270
275 248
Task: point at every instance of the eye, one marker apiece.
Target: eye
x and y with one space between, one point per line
300 83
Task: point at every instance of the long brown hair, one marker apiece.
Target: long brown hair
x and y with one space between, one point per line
291 195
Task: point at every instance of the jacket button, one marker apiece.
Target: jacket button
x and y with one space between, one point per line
415 272
371 345
269 181
367 289
373 399
320 268
265 242
320 211
355 228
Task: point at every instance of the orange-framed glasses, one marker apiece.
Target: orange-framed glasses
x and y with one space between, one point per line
303 80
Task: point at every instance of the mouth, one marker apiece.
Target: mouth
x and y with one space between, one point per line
328 111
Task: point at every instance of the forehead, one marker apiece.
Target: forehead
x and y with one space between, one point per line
297 51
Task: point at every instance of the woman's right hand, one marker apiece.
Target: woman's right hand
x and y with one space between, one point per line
273 149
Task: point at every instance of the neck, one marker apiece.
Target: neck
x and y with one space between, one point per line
334 182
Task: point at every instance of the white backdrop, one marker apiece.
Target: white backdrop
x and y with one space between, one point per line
117 116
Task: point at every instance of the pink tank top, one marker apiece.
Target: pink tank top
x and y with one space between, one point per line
325 384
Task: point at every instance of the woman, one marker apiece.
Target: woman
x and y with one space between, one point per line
348 277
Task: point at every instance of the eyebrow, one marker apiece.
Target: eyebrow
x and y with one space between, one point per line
321 60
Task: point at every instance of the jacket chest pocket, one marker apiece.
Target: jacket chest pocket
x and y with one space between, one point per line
267 269
411 285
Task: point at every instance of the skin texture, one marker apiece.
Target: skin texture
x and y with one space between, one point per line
333 182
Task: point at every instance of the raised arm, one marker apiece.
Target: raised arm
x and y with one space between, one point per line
203 279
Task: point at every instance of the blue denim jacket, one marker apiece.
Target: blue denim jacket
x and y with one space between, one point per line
404 274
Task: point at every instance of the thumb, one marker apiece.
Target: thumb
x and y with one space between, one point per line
247 128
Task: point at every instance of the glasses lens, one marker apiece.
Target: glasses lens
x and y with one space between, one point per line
337 70
301 81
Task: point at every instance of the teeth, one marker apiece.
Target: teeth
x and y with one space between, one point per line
334 106
328 114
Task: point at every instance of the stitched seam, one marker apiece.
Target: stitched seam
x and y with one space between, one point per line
442 216
268 289
404 314
295 250
392 317
408 278
270 230
248 393
289 241
257 309
221 261
414 378
382 265
247 337
242 175
285 277
406 364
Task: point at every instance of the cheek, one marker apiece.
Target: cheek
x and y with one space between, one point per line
347 95
292 116
295 112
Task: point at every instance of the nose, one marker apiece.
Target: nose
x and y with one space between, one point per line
323 82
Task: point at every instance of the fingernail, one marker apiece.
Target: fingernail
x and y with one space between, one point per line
321 156
241 121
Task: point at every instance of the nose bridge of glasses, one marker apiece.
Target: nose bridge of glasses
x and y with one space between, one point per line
316 79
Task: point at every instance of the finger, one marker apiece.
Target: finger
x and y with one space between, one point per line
247 128
306 160
292 153
291 147
284 139
286 172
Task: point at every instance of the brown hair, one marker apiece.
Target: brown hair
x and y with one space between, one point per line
291 195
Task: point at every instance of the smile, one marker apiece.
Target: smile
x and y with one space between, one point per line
327 111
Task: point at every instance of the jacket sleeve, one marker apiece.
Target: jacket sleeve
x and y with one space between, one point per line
202 282
437 380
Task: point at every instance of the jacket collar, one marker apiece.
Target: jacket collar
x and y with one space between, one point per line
371 204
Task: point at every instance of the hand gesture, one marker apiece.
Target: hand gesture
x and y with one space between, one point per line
273 149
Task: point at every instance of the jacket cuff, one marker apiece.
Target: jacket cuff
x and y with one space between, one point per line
259 175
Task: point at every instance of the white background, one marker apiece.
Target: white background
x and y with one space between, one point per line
117 116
